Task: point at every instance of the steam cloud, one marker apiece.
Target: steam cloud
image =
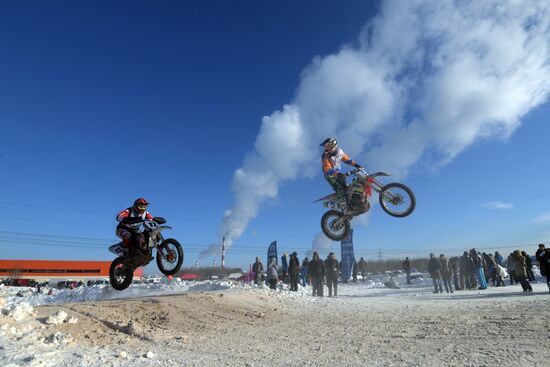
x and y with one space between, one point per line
424 80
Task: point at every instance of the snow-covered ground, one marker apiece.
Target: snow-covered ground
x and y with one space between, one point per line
214 323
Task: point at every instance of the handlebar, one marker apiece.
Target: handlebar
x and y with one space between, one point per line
353 171
135 220
372 175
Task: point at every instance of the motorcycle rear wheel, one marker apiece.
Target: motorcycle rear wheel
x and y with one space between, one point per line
397 200
173 255
120 274
335 234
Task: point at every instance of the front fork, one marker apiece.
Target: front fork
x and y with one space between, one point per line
160 249
377 186
337 224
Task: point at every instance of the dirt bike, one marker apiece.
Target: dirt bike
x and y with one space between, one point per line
169 254
395 199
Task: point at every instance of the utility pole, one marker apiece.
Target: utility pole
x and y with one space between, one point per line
380 255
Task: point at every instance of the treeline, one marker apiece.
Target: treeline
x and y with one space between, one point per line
380 266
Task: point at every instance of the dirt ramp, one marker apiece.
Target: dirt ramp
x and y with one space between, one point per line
169 319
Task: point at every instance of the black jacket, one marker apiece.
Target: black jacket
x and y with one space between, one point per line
257 267
294 266
539 254
316 268
434 268
454 264
332 268
362 265
544 263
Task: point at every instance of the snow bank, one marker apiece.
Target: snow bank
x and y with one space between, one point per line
106 292
19 311
57 318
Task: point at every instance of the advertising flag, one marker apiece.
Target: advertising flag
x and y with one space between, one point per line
348 257
271 252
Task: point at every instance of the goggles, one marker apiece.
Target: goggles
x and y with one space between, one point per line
329 147
141 207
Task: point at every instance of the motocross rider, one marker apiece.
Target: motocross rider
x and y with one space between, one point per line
129 221
331 159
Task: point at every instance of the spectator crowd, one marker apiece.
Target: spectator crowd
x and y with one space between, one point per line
314 272
474 270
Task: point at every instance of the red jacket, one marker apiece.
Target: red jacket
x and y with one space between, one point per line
130 212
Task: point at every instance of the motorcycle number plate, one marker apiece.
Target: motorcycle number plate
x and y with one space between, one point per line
117 249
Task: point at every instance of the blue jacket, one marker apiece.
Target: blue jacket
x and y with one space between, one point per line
284 263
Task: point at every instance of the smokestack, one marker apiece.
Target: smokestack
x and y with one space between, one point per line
223 255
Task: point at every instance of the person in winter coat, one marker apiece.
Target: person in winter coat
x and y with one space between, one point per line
407 267
486 270
479 264
332 270
434 268
545 266
454 264
529 266
491 268
521 271
540 256
284 267
446 273
316 270
362 264
273 273
511 265
258 270
499 259
354 271
304 277
540 253
294 271
467 272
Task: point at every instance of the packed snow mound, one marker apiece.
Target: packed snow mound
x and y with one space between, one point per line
19 311
50 296
106 292
57 318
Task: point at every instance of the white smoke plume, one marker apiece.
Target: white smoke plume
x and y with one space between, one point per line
321 244
212 250
424 80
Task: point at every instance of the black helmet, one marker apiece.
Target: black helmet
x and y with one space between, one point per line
329 144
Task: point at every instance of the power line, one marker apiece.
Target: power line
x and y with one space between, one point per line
239 249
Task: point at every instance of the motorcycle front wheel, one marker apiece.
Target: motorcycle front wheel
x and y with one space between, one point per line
120 274
397 200
333 227
170 261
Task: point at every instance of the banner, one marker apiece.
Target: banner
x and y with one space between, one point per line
271 252
348 257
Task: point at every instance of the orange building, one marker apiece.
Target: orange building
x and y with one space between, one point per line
44 270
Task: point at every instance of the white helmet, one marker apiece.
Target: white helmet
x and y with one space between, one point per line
330 144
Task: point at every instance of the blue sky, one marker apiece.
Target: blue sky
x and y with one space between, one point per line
103 102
